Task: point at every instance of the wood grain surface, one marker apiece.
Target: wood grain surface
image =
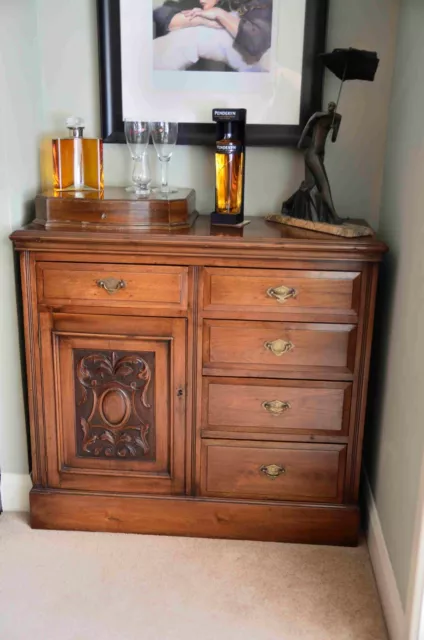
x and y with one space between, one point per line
311 407
309 473
205 381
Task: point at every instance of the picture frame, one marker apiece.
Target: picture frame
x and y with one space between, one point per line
195 133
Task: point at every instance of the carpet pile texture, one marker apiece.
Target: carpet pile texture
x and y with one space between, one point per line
95 586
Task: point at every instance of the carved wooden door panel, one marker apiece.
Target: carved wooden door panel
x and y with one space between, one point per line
117 422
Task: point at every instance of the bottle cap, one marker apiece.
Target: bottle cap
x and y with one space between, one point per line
74 122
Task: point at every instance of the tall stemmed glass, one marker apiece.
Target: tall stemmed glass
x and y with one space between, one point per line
137 134
164 136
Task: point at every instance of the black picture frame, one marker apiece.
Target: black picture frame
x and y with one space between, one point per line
109 33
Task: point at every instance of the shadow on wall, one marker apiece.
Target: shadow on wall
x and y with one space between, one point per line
380 352
29 216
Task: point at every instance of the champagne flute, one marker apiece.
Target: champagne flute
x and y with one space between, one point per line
137 134
164 136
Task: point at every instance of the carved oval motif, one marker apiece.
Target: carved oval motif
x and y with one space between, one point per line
115 407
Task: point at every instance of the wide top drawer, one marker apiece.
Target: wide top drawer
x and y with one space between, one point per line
281 291
112 284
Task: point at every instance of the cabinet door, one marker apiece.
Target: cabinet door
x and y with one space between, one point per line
114 397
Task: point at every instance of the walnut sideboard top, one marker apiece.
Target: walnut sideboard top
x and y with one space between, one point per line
258 240
206 382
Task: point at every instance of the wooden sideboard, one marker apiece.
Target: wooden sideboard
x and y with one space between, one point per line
206 382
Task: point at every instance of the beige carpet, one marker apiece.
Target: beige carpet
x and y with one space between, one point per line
97 586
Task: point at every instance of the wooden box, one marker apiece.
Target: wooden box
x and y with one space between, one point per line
115 209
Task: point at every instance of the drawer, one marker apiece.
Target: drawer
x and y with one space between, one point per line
273 471
112 284
276 406
274 347
276 291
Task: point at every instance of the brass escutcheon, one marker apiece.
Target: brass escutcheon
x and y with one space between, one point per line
272 471
111 285
279 347
281 294
276 407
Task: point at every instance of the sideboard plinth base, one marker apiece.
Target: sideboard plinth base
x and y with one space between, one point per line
186 516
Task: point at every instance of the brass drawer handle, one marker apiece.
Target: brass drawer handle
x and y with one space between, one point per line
276 407
111 285
272 471
281 294
279 347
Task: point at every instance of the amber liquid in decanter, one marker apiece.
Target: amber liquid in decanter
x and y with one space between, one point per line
77 161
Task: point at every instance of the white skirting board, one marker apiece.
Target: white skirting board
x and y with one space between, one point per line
14 491
383 571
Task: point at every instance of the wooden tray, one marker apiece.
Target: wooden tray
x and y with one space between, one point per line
115 209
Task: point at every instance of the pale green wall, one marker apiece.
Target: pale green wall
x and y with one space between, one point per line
19 178
396 424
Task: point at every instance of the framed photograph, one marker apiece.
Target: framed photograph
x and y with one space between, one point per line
176 60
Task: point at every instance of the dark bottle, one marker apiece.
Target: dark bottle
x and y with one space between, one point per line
230 165
229 162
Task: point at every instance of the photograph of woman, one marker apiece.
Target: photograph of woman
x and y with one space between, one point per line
212 35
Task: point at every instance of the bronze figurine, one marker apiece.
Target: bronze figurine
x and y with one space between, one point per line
314 201
312 206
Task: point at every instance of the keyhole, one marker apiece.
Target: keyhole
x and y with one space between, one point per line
180 393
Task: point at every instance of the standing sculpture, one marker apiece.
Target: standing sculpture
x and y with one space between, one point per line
314 201
312 205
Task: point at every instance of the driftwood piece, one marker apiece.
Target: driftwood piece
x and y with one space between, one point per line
345 230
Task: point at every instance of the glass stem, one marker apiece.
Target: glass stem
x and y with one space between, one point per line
141 174
145 169
137 171
165 185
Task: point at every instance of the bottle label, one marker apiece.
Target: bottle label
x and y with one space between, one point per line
229 147
229 115
224 114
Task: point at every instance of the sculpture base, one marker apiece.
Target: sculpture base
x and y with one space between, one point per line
345 230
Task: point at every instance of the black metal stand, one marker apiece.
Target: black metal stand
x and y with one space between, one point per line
227 219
